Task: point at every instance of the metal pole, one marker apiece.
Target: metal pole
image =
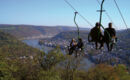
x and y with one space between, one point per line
76 24
100 20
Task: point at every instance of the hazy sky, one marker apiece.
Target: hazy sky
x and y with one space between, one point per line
57 12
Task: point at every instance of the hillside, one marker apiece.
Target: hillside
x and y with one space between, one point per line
15 48
121 34
71 34
124 40
20 31
25 31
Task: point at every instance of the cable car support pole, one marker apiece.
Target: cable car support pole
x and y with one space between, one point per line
100 20
76 24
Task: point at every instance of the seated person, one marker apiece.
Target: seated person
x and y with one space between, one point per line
110 36
73 45
96 35
80 44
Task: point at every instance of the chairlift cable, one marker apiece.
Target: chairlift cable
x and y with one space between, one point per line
79 13
121 14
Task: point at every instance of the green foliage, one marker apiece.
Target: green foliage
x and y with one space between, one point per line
106 72
48 75
31 69
51 59
102 72
5 73
122 72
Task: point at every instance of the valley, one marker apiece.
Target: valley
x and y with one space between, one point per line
51 37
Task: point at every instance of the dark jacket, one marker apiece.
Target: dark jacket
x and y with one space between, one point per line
96 34
109 33
80 44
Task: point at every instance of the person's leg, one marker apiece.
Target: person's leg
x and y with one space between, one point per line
101 44
111 46
76 51
108 46
96 45
71 50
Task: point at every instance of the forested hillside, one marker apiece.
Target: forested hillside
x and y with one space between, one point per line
71 34
23 31
11 46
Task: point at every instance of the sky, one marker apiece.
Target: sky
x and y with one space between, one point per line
57 12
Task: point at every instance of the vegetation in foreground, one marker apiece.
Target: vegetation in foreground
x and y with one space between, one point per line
56 66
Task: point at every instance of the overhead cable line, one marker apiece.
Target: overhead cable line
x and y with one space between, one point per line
121 14
79 13
107 14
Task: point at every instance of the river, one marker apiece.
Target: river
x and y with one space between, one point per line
34 43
